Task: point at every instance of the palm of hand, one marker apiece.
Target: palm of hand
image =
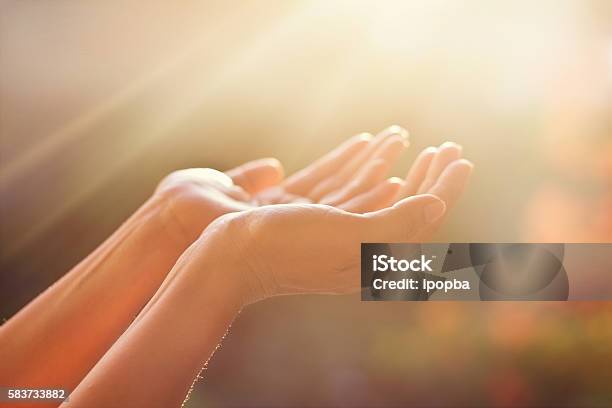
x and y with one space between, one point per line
351 177
312 248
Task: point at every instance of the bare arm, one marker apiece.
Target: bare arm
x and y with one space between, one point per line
157 359
72 324
59 337
56 339
240 259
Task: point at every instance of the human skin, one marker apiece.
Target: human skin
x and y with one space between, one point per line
72 324
240 259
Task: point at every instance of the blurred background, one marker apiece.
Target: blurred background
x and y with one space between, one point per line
100 100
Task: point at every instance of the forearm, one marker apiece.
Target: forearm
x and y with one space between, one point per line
240 259
177 333
59 336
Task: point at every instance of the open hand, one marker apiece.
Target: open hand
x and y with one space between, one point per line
352 177
308 248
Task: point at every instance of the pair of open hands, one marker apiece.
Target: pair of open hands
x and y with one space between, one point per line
302 234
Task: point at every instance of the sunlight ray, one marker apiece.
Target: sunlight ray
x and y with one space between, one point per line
250 53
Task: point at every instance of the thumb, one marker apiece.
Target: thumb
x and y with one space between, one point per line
257 175
403 221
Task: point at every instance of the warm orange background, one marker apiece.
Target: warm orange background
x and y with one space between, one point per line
99 100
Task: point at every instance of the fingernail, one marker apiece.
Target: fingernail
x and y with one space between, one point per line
469 163
434 211
398 130
365 136
269 161
395 180
451 144
399 139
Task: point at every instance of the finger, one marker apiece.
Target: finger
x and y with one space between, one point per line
453 181
449 188
198 176
372 174
306 179
403 221
257 175
386 143
237 193
418 171
381 196
387 146
377 148
447 153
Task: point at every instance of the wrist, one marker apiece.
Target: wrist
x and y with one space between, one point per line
229 242
224 247
167 216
